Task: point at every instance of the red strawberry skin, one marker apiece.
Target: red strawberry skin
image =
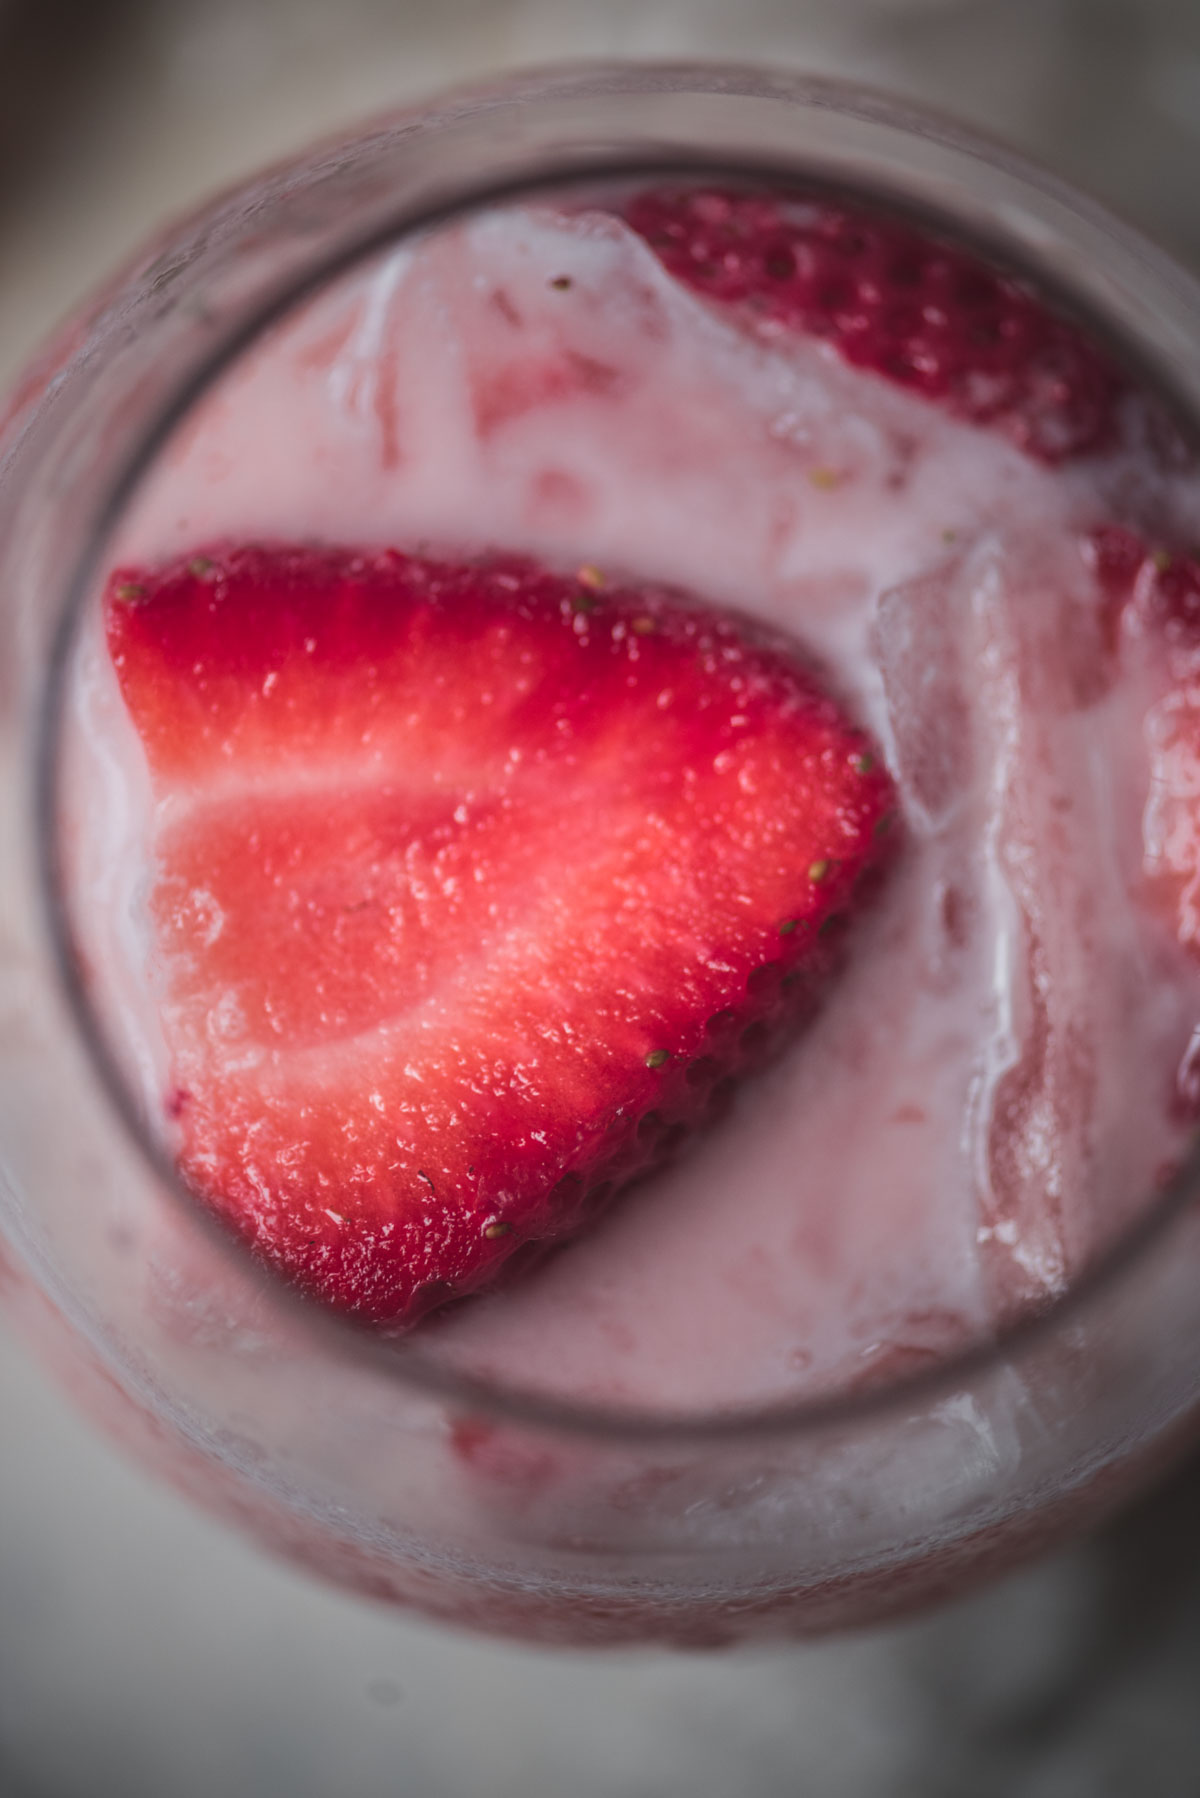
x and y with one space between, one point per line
1160 586
476 884
927 316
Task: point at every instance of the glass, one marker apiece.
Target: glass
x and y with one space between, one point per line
382 1465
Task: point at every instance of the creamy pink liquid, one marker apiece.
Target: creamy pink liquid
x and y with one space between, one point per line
986 1097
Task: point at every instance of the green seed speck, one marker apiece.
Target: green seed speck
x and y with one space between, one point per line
642 627
1162 560
200 566
787 927
657 1058
561 283
130 590
496 1229
818 870
863 764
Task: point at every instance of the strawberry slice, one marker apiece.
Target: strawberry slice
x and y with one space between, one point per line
928 316
476 884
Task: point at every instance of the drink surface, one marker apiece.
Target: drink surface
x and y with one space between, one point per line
989 1092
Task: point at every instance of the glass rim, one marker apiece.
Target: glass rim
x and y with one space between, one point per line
403 1357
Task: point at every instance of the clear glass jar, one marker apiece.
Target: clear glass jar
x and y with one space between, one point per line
377 1464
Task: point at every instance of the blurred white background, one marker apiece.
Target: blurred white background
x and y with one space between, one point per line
145 1652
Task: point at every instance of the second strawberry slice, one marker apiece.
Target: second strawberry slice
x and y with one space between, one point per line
475 886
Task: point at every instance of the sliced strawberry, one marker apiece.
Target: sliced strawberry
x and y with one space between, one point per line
1157 587
476 884
926 315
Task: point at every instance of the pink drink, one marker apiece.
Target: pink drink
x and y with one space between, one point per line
987 1097
987 1104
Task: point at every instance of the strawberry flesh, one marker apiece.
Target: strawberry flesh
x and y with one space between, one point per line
477 885
928 316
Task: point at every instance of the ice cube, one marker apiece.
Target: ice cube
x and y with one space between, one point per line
918 646
1063 1153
